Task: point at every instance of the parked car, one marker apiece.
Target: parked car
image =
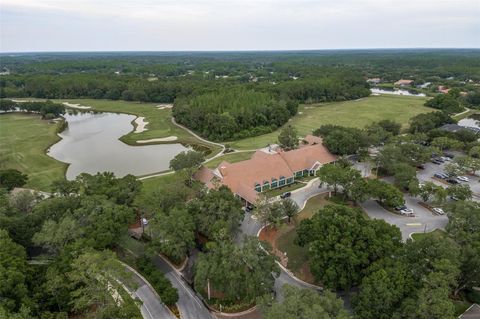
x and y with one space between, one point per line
452 181
450 156
421 166
436 162
406 211
248 208
463 178
399 208
455 198
440 175
439 159
286 195
439 211
444 158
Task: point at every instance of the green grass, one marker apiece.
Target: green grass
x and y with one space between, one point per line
23 141
231 158
460 307
350 113
298 256
281 190
437 233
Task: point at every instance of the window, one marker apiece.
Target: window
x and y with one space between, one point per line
298 174
289 180
305 172
258 187
282 181
274 183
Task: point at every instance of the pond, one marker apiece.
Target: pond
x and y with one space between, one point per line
91 144
395 92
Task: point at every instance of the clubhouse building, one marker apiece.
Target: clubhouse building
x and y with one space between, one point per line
269 168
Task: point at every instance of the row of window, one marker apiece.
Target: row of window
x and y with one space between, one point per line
280 182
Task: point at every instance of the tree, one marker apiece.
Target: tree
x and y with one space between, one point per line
345 140
55 236
175 233
444 143
342 243
303 304
404 175
386 193
340 174
24 201
13 273
241 273
64 187
446 103
11 178
288 138
289 208
427 190
460 191
187 160
217 212
98 278
382 291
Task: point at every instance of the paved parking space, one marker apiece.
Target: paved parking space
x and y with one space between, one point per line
424 220
430 169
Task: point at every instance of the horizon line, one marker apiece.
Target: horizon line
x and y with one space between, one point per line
241 50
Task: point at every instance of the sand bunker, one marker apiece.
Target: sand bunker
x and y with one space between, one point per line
76 106
140 121
164 106
163 139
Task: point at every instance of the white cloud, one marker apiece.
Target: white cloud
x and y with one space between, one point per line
236 24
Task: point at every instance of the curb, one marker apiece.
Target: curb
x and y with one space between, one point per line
149 286
288 271
233 314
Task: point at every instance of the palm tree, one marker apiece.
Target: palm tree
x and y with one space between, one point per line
290 208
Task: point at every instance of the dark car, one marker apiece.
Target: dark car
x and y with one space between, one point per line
452 181
438 159
437 162
286 195
450 156
421 166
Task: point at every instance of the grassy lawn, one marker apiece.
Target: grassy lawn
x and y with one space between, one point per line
350 113
23 141
281 190
298 256
231 158
437 233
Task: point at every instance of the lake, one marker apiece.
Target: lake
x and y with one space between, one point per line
395 92
90 144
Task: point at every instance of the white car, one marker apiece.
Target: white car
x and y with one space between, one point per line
463 178
439 211
407 211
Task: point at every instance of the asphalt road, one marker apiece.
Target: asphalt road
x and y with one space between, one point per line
189 304
152 307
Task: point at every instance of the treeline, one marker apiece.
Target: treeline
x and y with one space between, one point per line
47 109
235 113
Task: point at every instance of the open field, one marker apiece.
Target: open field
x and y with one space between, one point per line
350 113
23 141
435 234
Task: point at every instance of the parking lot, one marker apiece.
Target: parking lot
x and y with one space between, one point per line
430 169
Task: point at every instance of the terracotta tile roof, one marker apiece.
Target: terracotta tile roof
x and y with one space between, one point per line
307 156
241 177
403 82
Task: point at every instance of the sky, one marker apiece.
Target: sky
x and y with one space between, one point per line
203 25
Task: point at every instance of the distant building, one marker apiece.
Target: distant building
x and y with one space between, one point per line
443 89
403 82
473 312
269 168
424 85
